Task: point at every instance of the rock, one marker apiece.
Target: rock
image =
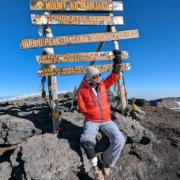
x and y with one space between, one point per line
27 115
4 104
43 116
69 95
166 102
46 157
133 130
138 102
63 109
6 108
137 116
14 130
13 111
145 154
40 119
152 149
141 102
76 119
5 170
137 162
35 108
68 105
72 124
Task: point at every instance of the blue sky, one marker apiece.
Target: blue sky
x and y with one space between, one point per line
154 56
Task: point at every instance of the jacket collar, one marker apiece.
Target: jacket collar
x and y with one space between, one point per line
85 84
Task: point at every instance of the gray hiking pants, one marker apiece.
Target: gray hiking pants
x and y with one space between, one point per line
116 139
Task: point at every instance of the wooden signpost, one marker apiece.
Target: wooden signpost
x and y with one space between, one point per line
52 85
85 38
78 57
78 70
81 5
75 20
49 59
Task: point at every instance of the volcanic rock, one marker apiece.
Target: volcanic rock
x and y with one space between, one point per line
151 152
45 157
14 130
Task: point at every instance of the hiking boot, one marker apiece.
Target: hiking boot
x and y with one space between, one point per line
106 170
98 174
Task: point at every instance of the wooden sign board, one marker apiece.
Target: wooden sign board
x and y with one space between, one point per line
76 20
85 38
78 70
81 5
78 57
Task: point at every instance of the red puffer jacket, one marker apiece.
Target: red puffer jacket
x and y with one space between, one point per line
96 108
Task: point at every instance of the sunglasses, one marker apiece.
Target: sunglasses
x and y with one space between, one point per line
96 76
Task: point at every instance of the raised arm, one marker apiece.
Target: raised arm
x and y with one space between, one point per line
111 79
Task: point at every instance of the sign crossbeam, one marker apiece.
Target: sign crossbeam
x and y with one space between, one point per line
75 20
78 57
84 5
77 39
78 70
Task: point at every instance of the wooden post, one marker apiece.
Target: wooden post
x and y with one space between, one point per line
120 84
52 85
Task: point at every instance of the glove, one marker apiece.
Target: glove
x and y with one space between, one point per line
116 68
116 61
117 54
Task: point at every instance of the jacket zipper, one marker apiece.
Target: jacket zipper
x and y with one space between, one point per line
92 99
99 105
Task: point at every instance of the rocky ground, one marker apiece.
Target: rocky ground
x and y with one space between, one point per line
28 149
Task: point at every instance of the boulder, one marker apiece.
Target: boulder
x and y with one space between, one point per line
14 130
72 124
46 157
6 108
133 130
137 162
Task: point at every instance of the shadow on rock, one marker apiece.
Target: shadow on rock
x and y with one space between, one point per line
19 170
72 133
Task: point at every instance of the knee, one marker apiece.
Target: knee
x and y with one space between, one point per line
119 141
87 144
89 149
87 139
